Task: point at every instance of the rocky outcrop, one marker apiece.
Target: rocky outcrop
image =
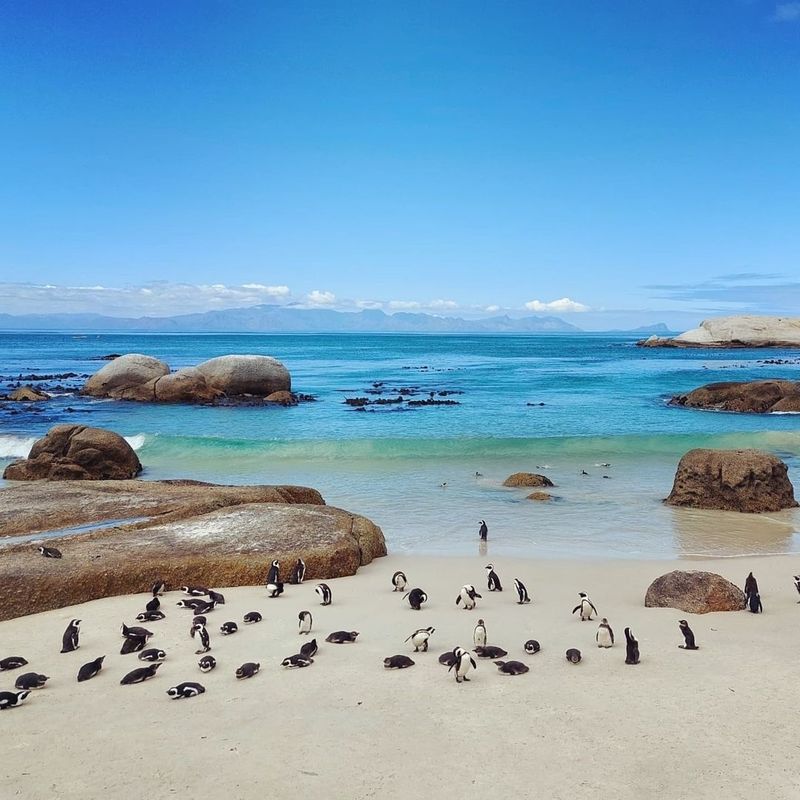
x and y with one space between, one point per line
26 394
761 397
732 480
540 497
694 592
527 479
191 532
227 379
738 331
75 452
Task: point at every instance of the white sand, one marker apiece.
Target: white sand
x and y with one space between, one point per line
719 722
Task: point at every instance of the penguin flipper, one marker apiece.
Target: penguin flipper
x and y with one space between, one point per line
458 600
593 608
577 608
612 635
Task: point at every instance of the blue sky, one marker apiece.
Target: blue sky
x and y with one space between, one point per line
605 161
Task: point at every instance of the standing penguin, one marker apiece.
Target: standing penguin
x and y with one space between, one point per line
201 632
688 636
274 574
754 603
605 635
479 634
492 579
467 596
797 584
399 581
275 589
586 607
522 592
298 572
750 585
631 647
483 531
462 664
416 597
325 594
305 622
158 587
420 639
69 641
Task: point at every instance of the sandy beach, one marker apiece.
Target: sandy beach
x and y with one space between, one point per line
715 722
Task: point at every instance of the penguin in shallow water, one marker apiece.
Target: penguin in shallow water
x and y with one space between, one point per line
420 639
462 664
31 680
416 597
297 661
397 662
88 671
492 580
152 654
631 647
274 574
483 531
248 669
13 699
49 552
202 634
252 617
754 603
605 634
573 655
399 581
522 592
207 663
298 572
325 594
12 662
466 597
489 651
305 621
140 675
532 647
586 607
186 689
227 628
309 649
342 637
688 636
479 634
512 667
69 641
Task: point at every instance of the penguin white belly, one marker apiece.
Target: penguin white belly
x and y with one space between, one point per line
604 638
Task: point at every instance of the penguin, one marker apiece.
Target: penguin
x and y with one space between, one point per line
88 671
420 639
522 592
207 663
532 647
216 597
252 617
341 637
49 552
274 574
399 581
12 662
324 592
750 585
297 661
397 662
153 605
605 634
69 641
305 622
586 607
194 591
140 675
483 531
754 603
247 670
298 572
492 580
150 616
631 648
488 651
573 655
479 634
274 589
416 597
205 607
191 603
448 659
31 680
134 632
187 689
688 636
512 667
159 587
797 584
132 644
152 654
462 664
227 628
205 639
13 699
309 649
467 596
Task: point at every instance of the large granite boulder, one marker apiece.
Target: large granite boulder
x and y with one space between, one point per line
732 480
75 452
694 592
736 331
754 396
246 375
120 376
212 535
187 385
527 479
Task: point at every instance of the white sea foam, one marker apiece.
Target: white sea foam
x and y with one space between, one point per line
16 446
136 441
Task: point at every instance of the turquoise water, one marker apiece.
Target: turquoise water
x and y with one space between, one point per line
604 402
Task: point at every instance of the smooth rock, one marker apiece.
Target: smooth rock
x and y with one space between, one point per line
527 479
27 394
761 397
694 592
246 375
540 497
118 377
736 331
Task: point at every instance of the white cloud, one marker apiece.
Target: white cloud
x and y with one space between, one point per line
369 304
404 305
318 298
787 12
273 291
443 304
492 309
562 306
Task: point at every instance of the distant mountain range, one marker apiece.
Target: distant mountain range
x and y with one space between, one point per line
284 319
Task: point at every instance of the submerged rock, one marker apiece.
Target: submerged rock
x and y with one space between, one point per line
27 394
746 396
540 497
527 479
694 592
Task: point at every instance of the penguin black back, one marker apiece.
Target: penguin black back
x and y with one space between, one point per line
631 647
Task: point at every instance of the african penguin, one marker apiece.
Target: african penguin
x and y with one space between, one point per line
483 531
586 607
309 649
216 597
754 603
248 669
488 651
140 675
522 592
207 663
153 605
324 592
12 662
467 597
251 617
194 591
135 632
397 662
205 607
416 597
605 634
187 689
150 616
88 671
750 585
492 580
399 581
688 636
448 659
49 552
158 587
69 641
797 584
132 644
13 699
31 680
274 574
479 634
512 667
341 637
305 621
153 654
274 589
298 572
462 664
532 647
205 639
227 628
631 647
297 661
420 639
573 655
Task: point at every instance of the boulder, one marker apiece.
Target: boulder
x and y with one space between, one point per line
540 497
27 394
736 331
246 375
187 385
118 377
282 398
75 452
732 480
761 397
694 592
527 479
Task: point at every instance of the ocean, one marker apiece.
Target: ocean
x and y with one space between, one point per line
558 404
